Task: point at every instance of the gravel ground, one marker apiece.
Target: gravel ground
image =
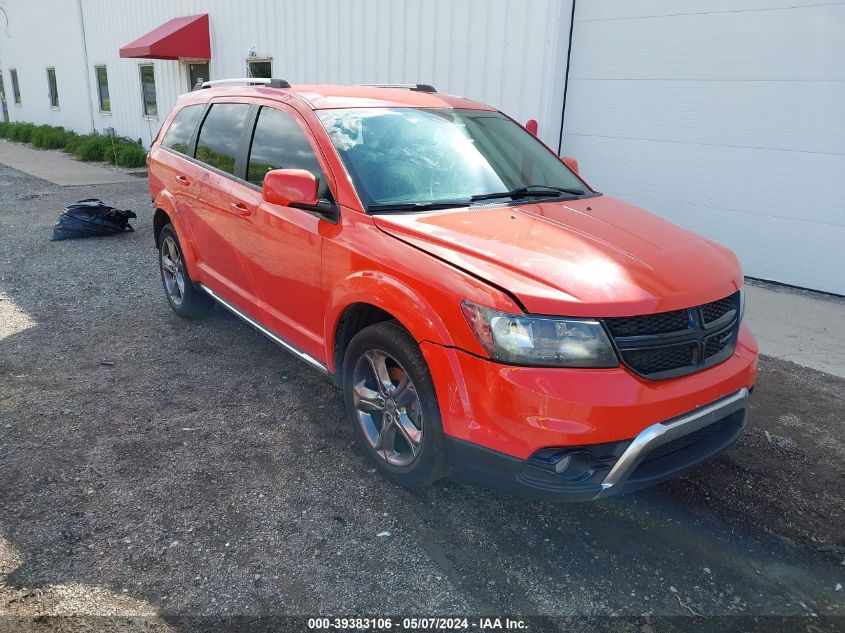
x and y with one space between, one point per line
155 467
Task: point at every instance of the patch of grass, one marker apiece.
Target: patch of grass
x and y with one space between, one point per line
116 150
72 142
21 132
48 137
94 148
131 155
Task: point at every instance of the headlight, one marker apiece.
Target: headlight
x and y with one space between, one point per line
523 340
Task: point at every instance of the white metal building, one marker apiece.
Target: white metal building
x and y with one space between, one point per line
726 116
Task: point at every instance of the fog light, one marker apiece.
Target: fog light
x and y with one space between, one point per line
575 465
563 464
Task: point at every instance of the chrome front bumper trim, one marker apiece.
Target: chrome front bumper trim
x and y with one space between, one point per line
663 432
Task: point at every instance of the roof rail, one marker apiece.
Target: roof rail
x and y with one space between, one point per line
417 87
255 81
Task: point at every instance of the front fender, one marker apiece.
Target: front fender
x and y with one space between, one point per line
382 290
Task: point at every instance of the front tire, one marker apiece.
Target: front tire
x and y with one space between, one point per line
187 301
392 405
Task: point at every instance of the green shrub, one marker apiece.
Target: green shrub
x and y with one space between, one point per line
22 132
37 134
54 138
131 155
110 147
72 142
93 147
48 137
117 150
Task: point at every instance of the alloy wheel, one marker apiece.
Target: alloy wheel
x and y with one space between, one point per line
388 408
172 270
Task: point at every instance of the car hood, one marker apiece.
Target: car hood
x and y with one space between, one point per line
591 257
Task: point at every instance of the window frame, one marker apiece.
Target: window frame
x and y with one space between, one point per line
245 146
144 113
53 96
99 88
16 86
258 60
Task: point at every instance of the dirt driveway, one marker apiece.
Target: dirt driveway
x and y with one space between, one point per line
158 467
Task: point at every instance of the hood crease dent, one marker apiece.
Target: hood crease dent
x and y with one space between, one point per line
595 257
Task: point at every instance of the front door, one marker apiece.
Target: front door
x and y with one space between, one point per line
279 248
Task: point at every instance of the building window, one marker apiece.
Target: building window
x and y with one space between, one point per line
197 73
148 89
16 89
103 88
261 68
52 87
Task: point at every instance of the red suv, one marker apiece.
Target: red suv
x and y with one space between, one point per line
487 313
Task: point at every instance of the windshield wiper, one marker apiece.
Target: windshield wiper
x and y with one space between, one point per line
529 190
418 206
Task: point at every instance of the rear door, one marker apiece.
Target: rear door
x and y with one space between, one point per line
174 169
279 248
217 145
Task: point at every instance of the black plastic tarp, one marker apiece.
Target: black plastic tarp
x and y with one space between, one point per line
91 218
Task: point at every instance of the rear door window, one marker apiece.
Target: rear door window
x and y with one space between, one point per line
279 143
217 145
178 137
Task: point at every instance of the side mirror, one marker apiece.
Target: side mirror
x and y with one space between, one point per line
571 163
289 187
531 125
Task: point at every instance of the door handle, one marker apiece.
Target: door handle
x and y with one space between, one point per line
240 209
183 180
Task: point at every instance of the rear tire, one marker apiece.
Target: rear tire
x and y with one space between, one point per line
391 403
186 299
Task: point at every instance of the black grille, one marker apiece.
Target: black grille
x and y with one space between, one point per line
660 323
717 309
717 343
670 344
659 359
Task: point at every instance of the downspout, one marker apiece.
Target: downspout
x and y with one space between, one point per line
87 69
566 79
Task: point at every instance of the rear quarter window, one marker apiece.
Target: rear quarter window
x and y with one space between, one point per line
178 136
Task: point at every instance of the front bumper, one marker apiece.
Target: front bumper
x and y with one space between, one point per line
660 452
508 427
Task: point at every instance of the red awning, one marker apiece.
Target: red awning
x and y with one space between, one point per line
179 37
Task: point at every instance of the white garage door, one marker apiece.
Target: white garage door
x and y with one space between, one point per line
725 116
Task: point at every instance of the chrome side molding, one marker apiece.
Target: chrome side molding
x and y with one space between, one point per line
658 434
266 331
